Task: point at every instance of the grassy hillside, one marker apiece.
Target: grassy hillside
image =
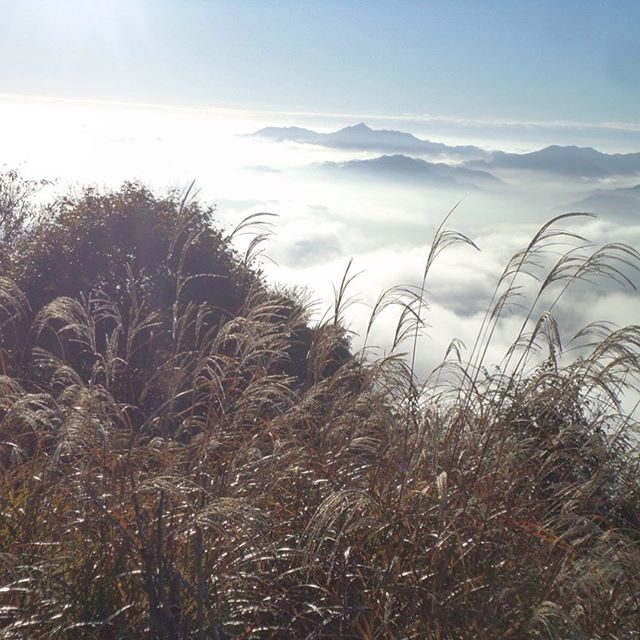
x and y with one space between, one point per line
183 456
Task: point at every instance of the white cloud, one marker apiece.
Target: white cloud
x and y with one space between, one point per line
322 225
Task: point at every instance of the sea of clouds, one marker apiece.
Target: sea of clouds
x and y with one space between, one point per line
381 221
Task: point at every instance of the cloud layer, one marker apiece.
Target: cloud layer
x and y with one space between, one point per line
384 219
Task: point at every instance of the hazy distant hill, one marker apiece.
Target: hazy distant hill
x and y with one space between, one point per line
413 170
363 138
570 161
624 202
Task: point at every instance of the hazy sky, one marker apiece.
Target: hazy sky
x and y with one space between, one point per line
513 75
575 60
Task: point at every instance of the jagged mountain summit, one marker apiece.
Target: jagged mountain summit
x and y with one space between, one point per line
361 137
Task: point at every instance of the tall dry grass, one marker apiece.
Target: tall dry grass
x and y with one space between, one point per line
214 495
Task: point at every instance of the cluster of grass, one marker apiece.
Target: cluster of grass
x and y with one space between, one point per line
183 456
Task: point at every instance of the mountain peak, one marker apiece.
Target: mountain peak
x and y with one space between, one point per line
570 148
361 126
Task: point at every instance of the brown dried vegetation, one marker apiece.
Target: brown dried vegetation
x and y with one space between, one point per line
181 456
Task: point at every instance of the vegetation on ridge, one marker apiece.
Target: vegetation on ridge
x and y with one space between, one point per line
183 456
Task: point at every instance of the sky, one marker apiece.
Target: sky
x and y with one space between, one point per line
574 61
102 91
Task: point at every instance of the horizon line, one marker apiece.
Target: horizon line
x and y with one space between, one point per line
400 117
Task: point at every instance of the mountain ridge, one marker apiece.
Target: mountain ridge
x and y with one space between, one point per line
565 160
361 137
416 171
623 201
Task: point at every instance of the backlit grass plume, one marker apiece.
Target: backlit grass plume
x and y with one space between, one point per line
183 455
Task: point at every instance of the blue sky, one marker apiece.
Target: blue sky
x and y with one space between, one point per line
571 61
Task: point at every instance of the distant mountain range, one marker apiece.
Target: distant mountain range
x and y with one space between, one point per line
360 137
401 168
625 202
562 161
574 162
